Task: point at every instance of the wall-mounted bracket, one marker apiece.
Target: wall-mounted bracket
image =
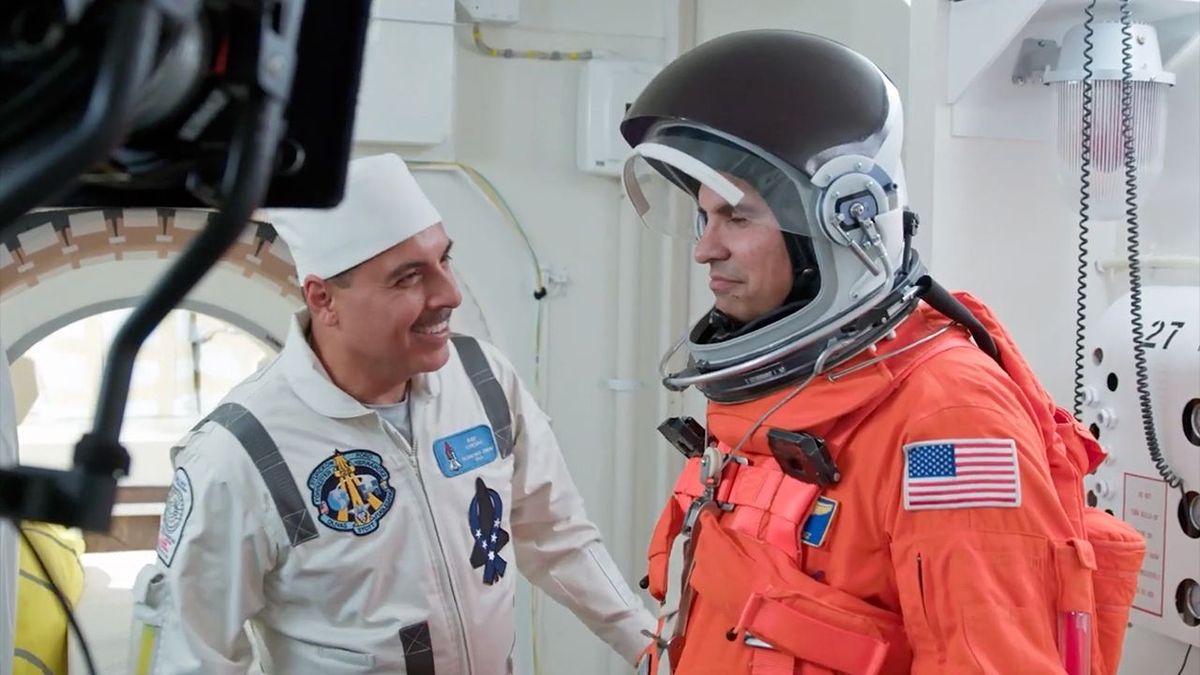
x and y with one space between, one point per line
1035 56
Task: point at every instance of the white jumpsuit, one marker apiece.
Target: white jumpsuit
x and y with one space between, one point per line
388 556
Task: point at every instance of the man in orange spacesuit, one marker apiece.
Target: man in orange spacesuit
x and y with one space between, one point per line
881 485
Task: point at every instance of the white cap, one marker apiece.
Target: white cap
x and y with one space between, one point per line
382 207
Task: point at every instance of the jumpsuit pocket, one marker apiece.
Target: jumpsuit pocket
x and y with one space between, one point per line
1017 640
150 600
1119 551
921 587
917 601
346 656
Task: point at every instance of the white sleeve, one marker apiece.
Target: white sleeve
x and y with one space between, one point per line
213 553
557 547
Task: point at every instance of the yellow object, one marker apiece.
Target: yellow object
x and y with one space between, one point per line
477 36
146 650
41 635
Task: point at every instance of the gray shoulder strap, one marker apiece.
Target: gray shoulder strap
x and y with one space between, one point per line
491 394
245 427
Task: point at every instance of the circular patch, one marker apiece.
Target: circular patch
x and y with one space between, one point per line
351 491
175 514
174 511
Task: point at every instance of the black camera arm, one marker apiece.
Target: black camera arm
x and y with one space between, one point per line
84 495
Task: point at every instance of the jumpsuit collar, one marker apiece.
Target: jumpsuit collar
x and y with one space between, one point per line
312 384
823 402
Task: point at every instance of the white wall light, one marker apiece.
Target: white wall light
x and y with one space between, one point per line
1147 110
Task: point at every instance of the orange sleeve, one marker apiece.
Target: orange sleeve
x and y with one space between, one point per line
976 583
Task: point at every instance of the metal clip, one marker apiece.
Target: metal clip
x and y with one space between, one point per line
656 639
693 513
712 463
698 505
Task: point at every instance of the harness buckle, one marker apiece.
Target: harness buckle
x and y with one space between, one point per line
712 466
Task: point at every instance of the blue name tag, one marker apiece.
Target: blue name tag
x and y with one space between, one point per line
465 451
816 527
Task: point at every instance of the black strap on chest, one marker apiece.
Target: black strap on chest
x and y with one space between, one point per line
263 451
491 394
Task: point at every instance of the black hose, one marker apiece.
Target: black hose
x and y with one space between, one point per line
1085 186
1141 370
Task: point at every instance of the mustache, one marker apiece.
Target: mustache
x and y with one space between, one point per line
433 318
724 273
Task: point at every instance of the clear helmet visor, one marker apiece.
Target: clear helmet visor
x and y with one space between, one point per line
720 179
841 225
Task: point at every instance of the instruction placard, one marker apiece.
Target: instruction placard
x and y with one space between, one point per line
1146 510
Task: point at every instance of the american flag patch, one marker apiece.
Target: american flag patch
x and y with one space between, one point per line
961 474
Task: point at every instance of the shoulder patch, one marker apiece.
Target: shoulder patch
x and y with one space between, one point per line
352 491
961 474
465 451
175 515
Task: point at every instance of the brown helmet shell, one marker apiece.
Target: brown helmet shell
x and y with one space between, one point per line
795 95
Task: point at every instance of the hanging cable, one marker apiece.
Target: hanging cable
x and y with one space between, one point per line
484 48
1133 244
493 196
498 202
1084 199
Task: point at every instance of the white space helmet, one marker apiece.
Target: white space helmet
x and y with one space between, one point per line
816 129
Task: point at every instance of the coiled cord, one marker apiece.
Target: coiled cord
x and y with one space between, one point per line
1085 186
1141 370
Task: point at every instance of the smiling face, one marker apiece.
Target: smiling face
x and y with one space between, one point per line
390 314
749 270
